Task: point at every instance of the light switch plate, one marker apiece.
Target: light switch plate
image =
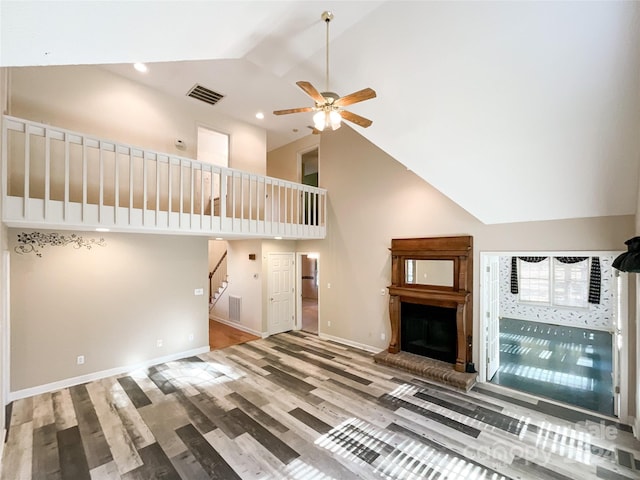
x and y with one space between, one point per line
198 291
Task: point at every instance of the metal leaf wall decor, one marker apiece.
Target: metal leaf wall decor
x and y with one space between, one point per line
33 242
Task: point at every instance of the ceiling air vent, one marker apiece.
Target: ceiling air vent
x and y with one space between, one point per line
204 94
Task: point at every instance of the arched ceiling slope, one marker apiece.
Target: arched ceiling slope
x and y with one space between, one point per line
517 111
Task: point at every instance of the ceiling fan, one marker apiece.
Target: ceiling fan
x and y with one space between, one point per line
328 105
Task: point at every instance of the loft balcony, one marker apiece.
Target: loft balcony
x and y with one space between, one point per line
56 178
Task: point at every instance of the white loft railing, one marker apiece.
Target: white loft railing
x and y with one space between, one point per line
52 177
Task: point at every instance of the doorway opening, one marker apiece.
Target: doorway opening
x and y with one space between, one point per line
553 327
308 281
309 171
309 167
213 148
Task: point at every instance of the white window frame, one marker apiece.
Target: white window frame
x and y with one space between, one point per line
525 292
575 288
552 298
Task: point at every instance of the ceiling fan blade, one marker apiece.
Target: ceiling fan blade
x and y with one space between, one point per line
314 130
357 119
312 92
292 110
359 96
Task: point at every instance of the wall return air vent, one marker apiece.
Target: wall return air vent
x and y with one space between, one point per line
204 94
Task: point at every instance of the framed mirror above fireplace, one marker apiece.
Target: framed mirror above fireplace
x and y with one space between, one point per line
430 305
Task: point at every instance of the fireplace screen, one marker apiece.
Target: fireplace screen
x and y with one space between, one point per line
429 331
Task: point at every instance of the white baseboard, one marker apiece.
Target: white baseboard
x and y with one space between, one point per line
89 377
349 343
239 326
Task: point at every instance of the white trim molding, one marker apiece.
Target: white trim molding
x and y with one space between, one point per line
349 343
89 377
239 326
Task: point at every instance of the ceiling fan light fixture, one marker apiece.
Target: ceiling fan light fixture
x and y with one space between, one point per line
329 106
335 119
327 119
319 120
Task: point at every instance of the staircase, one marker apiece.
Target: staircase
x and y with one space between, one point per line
218 280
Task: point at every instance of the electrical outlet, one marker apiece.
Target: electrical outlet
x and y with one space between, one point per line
383 291
328 285
80 360
191 337
159 342
198 291
329 323
383 336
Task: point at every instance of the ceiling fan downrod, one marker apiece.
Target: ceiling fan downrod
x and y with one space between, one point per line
327 16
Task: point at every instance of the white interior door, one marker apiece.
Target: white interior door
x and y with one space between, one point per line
280 316
493 316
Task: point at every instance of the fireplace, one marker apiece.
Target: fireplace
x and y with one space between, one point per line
430 299
429 331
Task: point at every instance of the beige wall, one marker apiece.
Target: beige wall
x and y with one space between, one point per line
283 162
245 282
373 198
92 100
4 99
110 304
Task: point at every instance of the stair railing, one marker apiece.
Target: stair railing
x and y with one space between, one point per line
52 177
217 277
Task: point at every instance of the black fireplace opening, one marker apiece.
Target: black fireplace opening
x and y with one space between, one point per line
429 331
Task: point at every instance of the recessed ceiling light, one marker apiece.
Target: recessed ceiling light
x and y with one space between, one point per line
259 115
101 229
141 67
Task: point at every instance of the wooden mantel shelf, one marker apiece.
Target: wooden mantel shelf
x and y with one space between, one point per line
430 297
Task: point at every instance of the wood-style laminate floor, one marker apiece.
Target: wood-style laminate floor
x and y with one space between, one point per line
222 336
310 315
293 406
568 364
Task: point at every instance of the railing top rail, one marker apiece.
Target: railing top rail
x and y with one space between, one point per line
97 142
224 255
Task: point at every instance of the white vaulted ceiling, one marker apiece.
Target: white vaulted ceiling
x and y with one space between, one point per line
517 111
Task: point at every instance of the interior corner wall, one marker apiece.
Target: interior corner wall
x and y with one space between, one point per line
244 282
95 101
4 105
372 198
283 162
109 303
